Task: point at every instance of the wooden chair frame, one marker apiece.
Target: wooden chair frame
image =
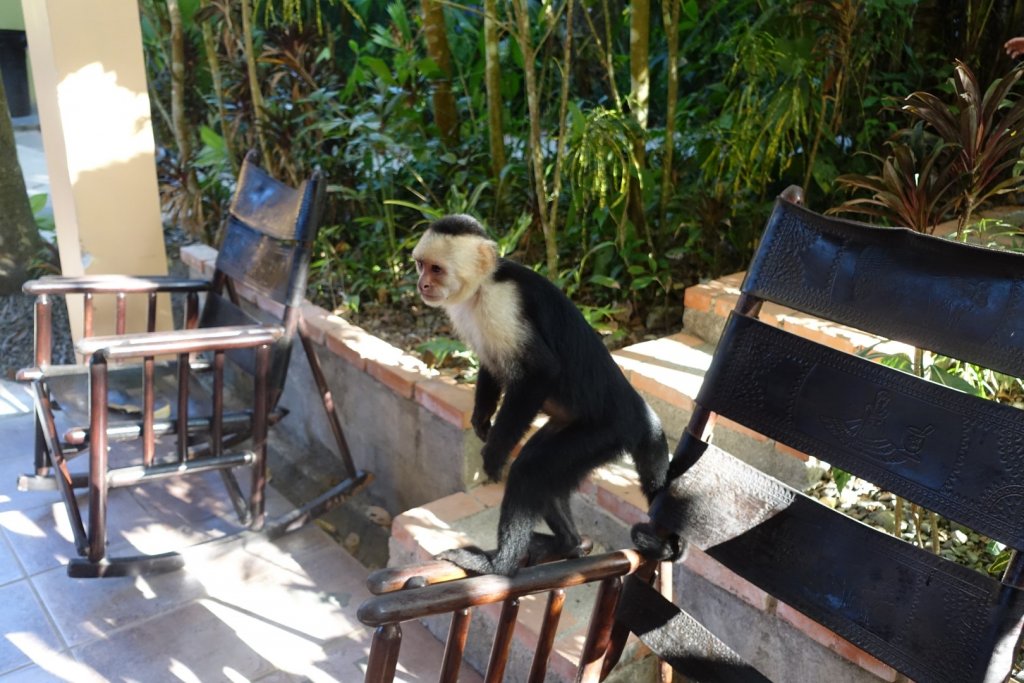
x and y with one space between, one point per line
267 248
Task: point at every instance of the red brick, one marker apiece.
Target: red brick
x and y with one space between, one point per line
426 531
270 306
703 565
662 390
774 314
488 495
398 379
733 280
623 508
315 322
834 642
247 293
726 423
454 507
724 304
453 403
788 450
588 488
698 298
199 257
687 340
400 530
339 347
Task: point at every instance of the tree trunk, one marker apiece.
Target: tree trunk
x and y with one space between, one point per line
210 45
492 77
639 93
19 237
670 17
563 108
522 17
445 113
639 71
182 138
255 94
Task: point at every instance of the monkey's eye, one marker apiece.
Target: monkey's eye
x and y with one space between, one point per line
436 269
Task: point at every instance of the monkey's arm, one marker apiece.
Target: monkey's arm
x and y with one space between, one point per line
524 398
485 401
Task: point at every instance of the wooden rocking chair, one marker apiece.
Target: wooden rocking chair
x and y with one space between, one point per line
128 392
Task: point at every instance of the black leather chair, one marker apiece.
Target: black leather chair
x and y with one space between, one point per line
953 453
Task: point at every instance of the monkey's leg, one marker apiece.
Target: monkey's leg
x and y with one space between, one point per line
551 465
564 542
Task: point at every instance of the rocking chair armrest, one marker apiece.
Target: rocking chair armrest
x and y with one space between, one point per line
145 344
112 284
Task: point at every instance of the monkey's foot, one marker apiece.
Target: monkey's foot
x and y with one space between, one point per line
471 558
548 548
655 545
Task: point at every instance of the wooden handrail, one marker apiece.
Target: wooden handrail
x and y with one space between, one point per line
112 284
445 597
180 341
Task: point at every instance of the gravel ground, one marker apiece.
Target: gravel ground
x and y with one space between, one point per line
17 333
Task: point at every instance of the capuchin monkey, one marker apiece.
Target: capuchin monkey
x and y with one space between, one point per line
537 353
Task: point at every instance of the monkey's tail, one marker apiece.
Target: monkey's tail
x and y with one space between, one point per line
652 464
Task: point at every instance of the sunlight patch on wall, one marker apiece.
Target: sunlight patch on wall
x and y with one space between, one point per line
104 123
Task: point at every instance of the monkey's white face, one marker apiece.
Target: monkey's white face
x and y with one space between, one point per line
433 282
450 268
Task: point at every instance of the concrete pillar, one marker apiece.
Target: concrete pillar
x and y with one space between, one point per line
94 115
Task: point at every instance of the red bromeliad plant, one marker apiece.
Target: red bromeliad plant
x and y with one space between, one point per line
913 189
985 127
981 142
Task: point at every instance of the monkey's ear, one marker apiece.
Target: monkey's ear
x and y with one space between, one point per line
487 253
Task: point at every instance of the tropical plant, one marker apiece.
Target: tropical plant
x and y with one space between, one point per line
912 188
984 126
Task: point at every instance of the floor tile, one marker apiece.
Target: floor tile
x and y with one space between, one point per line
199 641
28 634
86 609
245 607
10 568
41 536
54 666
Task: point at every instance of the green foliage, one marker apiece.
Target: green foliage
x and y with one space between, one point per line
439 350
46 261
602 160
841 478
770 94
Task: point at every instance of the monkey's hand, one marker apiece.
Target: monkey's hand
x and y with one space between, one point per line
494 461
481 425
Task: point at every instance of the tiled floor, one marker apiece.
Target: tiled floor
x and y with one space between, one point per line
243 609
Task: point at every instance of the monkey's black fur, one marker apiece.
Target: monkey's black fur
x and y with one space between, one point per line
458 225
596 415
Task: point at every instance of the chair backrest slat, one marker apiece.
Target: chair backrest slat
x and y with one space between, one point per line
955 454
888 597
961 301
266 247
